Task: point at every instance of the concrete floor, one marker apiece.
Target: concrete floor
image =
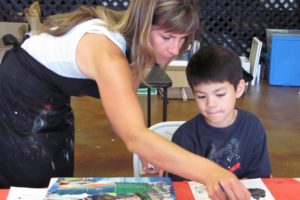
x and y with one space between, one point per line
99 152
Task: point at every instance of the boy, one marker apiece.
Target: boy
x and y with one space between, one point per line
231 137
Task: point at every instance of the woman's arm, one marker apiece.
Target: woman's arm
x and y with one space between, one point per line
101 60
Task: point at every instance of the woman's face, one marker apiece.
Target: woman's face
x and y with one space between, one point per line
166 45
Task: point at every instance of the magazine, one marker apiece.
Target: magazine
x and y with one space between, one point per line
92 188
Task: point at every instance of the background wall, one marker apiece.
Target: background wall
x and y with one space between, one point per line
231 23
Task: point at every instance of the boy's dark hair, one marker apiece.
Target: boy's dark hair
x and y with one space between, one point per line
214 63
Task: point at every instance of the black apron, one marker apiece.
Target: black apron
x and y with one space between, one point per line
36 121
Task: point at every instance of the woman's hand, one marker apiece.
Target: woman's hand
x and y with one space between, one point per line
222 184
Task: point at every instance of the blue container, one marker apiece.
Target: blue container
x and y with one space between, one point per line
284 67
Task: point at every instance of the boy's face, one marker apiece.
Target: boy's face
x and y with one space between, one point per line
216 101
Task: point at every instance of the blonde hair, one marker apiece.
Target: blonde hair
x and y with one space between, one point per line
177 16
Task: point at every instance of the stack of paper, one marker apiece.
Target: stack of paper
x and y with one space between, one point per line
257 188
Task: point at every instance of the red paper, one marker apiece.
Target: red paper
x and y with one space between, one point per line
3 194
182 191
283 188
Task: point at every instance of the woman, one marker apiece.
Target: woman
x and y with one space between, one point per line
84 53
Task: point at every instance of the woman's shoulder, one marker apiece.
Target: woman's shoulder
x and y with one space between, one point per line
97 26
89 22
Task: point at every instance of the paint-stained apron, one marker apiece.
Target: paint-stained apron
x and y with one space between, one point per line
36 121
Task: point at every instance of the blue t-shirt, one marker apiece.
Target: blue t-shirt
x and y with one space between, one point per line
242 144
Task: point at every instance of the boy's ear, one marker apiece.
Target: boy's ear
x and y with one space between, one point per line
240 88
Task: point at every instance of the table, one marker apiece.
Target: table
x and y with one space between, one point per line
157 78
281 189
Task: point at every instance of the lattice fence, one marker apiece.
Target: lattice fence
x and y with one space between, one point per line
232 23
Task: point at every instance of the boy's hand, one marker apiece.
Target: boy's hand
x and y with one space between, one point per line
148 168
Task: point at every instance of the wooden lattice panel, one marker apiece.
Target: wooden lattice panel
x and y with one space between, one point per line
231 23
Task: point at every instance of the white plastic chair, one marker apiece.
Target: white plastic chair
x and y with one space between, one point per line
165 129
254 59
251 64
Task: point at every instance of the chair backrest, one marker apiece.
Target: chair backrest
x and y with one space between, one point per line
165 129
254 57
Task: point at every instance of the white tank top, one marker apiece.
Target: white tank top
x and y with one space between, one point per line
58 53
